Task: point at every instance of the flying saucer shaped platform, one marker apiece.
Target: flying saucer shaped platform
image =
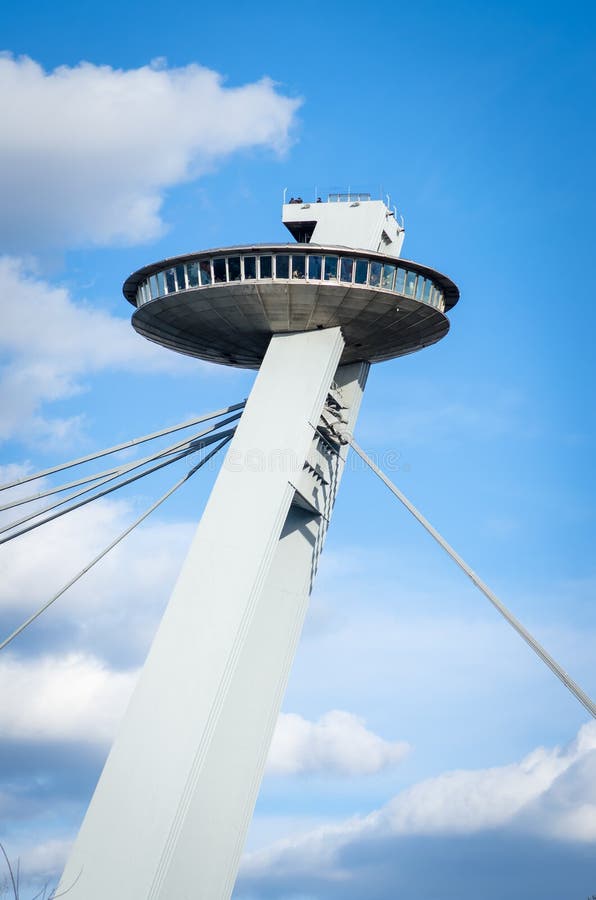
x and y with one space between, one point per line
224 305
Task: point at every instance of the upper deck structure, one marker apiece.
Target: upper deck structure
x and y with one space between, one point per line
351 220
225 304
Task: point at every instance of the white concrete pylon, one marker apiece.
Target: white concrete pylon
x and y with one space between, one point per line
169 816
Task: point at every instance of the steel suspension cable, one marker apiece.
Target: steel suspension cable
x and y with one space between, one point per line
86 490
112 474
21 501
114 543
106 474
123 446
115 473
115 487
553 665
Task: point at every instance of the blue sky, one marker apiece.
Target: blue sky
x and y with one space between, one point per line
478 119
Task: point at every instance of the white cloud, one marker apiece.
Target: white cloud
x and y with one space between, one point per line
550 793
88 152
50 344
114 609
468 801
338 742
43 560
41 862
69 698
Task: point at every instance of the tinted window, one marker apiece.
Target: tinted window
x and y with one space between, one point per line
219 270
180 278
427 289
420 288
346 269
314 266
234 268
265 266
410 283
250 267
361 271
375 274
170 281
161 284
388 275
192 270
298 266
205 267
330 268
153 287
282 266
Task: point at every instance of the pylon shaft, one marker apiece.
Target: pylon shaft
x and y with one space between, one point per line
171 810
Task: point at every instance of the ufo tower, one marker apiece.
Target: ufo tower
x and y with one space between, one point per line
170 812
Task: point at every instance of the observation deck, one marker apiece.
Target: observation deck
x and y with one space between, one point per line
224 305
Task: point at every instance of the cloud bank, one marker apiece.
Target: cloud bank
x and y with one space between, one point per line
49 345
87 152
544 805
77 697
